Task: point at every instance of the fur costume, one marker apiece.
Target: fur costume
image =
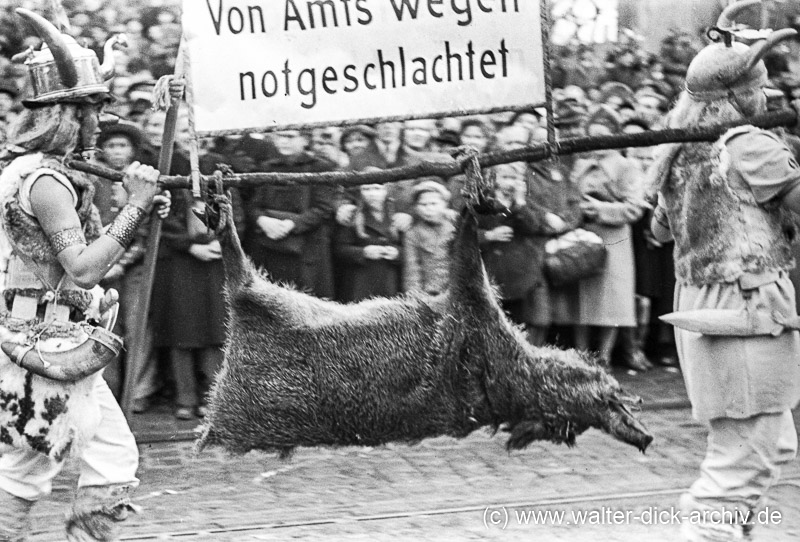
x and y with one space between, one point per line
35 412
97 512
301 371
721 232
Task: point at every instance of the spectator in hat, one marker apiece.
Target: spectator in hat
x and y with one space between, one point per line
616 95
568 119
531 120
446 140
612 192
119 146
426 254
358 143
139 97
326 143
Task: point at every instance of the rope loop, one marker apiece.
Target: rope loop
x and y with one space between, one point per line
476 189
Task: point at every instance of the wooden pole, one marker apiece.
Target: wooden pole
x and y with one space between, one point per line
533 153
137 356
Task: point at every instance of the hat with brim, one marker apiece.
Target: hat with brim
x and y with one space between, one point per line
367 131
568 114
429 186
605 116
122 129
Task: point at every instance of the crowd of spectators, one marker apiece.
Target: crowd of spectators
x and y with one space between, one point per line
383 240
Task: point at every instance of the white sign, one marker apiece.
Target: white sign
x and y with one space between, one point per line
258 64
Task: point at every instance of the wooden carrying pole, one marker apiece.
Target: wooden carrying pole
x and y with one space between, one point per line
784 117
136 354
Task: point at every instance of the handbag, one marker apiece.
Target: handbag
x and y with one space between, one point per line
574 256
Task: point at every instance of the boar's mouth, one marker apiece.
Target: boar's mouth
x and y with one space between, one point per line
620 423
616 420
525 432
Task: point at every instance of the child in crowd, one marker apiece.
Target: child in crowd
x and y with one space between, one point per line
369 249
426 244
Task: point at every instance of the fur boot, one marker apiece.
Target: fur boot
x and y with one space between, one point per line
13 517
97 512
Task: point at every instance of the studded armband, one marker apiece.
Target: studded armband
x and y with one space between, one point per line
64 239
123 228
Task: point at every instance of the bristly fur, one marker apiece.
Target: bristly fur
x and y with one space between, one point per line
301 371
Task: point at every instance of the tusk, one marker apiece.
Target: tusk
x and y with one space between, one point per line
71 365
58 47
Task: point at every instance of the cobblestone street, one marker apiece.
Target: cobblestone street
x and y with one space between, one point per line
441 489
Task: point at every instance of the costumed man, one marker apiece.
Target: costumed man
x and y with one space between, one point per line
728 206
54 319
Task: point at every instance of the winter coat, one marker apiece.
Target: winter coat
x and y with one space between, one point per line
608 299
304 256
361 278
427 257
516 265
188 308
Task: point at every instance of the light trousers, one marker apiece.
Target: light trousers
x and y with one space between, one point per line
743 460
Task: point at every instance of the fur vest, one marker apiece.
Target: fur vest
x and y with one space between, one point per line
721 232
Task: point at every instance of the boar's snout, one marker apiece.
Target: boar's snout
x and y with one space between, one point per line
619 422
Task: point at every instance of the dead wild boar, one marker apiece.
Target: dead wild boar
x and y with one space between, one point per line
302 371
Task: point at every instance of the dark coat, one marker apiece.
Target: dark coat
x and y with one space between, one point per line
188 307
303 258
362 278
516 265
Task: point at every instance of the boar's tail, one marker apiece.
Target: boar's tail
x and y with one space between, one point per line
219 214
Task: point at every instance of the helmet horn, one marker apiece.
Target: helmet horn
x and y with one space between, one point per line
58 47
726 18
761 47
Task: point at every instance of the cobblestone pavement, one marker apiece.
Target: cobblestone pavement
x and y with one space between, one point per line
441 489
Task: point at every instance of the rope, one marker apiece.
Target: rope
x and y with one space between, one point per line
534 153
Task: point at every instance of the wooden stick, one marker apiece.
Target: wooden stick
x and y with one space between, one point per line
137 356
448 168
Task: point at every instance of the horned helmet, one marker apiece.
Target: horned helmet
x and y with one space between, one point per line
729 68
62 71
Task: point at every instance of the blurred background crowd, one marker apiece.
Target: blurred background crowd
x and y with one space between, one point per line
384 240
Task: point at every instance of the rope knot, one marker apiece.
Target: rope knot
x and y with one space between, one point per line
477 190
